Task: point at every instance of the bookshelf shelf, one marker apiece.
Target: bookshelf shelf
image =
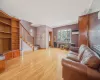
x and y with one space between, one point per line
5 32
4 23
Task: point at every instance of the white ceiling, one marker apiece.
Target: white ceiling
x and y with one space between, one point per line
52 13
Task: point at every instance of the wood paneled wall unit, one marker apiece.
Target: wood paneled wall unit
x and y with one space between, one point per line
89 28
94 32
9 36
83 29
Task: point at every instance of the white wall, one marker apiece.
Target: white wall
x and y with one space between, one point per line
41 36
26 25
47 37
24 46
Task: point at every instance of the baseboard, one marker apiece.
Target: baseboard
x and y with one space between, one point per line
42 48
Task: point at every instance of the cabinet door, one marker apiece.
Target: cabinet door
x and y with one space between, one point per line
1 46
7 45
83 30
2 65
16 53
1 27
9 55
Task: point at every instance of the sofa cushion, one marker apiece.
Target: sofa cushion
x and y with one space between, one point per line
81 51
71 52
90 59
93 62
85 59
87 54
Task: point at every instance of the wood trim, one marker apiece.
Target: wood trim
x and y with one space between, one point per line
51 38
1 11
8 16
90 13
42 48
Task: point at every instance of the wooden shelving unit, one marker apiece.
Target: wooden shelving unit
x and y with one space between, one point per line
9 36
5 34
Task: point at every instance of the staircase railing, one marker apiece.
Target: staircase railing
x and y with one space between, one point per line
26 36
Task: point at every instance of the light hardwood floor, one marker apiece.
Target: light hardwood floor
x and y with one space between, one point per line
37 65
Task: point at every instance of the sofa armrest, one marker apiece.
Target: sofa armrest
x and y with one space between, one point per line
75 65
75 69
75 49
78 70
93 74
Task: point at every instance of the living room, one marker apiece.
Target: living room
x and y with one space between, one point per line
49 40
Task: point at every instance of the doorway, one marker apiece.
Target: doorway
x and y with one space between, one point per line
50 39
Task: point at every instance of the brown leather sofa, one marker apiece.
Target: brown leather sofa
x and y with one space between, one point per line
81 70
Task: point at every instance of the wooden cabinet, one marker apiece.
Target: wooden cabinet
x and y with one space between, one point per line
12 54
5 35
16 53
9 36
8 55
1 45
6 45
83 29
2 65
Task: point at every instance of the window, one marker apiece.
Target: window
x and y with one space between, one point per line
64 35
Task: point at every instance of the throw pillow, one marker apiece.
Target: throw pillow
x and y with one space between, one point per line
87 54
85 59
93 62
81 51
